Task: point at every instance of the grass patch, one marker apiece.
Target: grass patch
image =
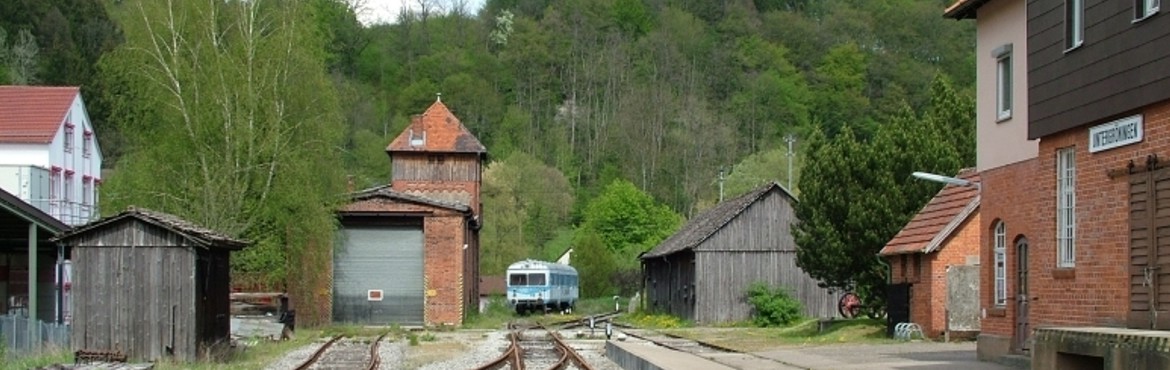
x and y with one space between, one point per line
257 356
802 333
45 358
498 314
653 321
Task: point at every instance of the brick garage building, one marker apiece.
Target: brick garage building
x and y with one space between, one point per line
408 253
943 235
1087 245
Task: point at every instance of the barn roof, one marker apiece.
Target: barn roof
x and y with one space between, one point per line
385 192
190 231
33 114
437 130
707 223
941 217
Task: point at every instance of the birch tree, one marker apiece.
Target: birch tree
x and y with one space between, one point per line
232 124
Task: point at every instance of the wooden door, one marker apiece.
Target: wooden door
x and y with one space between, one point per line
1149 250
1023 335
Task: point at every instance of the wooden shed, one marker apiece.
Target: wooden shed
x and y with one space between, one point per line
149 285
702 272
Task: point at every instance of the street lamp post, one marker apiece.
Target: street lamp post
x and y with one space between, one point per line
945 179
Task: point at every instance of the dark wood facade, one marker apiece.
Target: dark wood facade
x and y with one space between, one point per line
150 286
1118 69
702 273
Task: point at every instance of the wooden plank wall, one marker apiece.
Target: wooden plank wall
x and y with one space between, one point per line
133 293
454 167
722 285
755 246
669 284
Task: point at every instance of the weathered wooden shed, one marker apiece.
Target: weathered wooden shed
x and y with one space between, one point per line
702 272
149 285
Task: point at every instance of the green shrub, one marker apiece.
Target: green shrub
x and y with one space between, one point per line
774 307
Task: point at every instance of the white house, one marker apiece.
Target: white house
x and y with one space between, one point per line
49 154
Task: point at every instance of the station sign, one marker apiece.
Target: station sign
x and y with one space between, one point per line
1115 134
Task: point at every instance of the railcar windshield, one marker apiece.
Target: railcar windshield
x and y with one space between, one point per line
526 279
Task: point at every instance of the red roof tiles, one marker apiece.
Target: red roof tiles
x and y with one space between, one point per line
436 130
937 220
33 114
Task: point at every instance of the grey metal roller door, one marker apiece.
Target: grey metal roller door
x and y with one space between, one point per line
379 258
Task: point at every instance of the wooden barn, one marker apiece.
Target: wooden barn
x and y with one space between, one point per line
408 253
703 271
149 285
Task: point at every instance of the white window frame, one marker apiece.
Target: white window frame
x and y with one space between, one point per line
1074 23
1000 264
87 145
1066 202
1003 87
1143 9
68 144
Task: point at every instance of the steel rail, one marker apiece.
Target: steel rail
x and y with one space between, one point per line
511 355
317 355
375 358
568 354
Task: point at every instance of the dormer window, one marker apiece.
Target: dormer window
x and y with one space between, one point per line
87 144
68 137
418 140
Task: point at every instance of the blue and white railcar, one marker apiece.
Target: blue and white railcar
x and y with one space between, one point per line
539 285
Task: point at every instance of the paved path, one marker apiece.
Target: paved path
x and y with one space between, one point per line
900 356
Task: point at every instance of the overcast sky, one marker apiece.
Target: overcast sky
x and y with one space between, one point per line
385 11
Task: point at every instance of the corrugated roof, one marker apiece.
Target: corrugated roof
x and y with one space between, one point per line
195 233
707 223
438 131
926 232
33 114
963 9
23 210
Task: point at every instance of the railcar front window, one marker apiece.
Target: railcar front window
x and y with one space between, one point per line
518 280
536 279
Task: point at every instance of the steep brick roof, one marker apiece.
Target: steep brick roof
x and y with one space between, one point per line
436 131
33 114
941 217
707 223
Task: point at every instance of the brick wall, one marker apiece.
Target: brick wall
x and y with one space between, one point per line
1008 195
928 290
1096 291
444 269
963 244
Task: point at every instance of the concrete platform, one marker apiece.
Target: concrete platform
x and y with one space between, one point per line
641 355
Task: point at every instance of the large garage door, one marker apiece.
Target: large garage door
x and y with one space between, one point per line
389 259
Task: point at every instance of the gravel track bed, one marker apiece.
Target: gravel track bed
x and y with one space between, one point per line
356 351
452 350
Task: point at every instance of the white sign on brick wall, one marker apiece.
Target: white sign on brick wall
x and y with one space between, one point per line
1115 134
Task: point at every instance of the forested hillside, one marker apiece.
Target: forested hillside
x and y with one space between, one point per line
248 115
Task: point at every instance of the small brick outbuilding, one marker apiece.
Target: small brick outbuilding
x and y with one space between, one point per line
942 237
408 252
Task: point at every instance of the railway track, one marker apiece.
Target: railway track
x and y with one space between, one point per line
598 321
536 347
341 353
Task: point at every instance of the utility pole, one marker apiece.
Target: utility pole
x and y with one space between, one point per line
790 139
720 184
